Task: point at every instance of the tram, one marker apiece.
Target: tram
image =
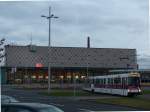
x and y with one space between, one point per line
127 84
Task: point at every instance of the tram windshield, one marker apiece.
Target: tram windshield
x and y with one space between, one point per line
134 81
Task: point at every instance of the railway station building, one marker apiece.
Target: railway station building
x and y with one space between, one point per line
29 64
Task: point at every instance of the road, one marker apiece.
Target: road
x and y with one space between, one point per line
66 104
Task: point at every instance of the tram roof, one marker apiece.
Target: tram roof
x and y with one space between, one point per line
117 75
133 70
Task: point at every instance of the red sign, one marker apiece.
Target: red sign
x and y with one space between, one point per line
39 65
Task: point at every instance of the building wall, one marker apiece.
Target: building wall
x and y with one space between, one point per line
27 56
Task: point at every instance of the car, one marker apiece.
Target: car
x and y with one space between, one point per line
7 99
29 107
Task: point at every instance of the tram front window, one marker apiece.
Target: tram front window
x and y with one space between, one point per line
133 81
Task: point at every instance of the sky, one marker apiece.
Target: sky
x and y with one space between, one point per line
109 23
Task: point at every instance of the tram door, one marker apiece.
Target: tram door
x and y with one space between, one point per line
123 85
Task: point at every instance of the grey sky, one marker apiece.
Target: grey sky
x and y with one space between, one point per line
109 23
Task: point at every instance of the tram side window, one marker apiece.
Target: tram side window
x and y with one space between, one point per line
124 82
104 81
117 80
101 81
109 81
97 81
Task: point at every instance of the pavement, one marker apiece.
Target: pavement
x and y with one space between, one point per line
73 104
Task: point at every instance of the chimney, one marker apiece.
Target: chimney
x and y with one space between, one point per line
88 42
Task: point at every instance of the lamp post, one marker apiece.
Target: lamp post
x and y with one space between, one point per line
75 84
49 46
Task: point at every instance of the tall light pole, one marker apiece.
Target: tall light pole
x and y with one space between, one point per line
49 46
87 60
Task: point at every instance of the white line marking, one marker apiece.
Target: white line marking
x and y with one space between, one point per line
56 104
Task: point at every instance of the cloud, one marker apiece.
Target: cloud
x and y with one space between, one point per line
109 23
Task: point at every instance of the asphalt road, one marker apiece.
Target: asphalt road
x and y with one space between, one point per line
66 104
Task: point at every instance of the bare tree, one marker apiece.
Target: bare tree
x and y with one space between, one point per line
2 55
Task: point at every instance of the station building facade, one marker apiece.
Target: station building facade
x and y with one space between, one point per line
29 64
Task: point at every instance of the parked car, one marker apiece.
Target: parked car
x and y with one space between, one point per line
7 99
28 107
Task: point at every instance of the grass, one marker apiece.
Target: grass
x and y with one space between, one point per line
66 93
135 102
146 92
69 92
124 101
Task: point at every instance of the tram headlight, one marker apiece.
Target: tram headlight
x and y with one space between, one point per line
128 90
139 90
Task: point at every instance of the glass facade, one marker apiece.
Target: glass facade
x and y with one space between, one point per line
40 75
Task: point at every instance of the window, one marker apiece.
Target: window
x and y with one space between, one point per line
109 80
117 80
97 81
133 81
104 81
101 81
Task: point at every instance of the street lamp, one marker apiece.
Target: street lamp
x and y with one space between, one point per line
49 45
75 83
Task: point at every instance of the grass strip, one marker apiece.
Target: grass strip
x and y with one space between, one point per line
130 102
146 92
66 93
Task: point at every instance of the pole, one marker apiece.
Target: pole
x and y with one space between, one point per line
87 63
49 52
1 75
74 90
